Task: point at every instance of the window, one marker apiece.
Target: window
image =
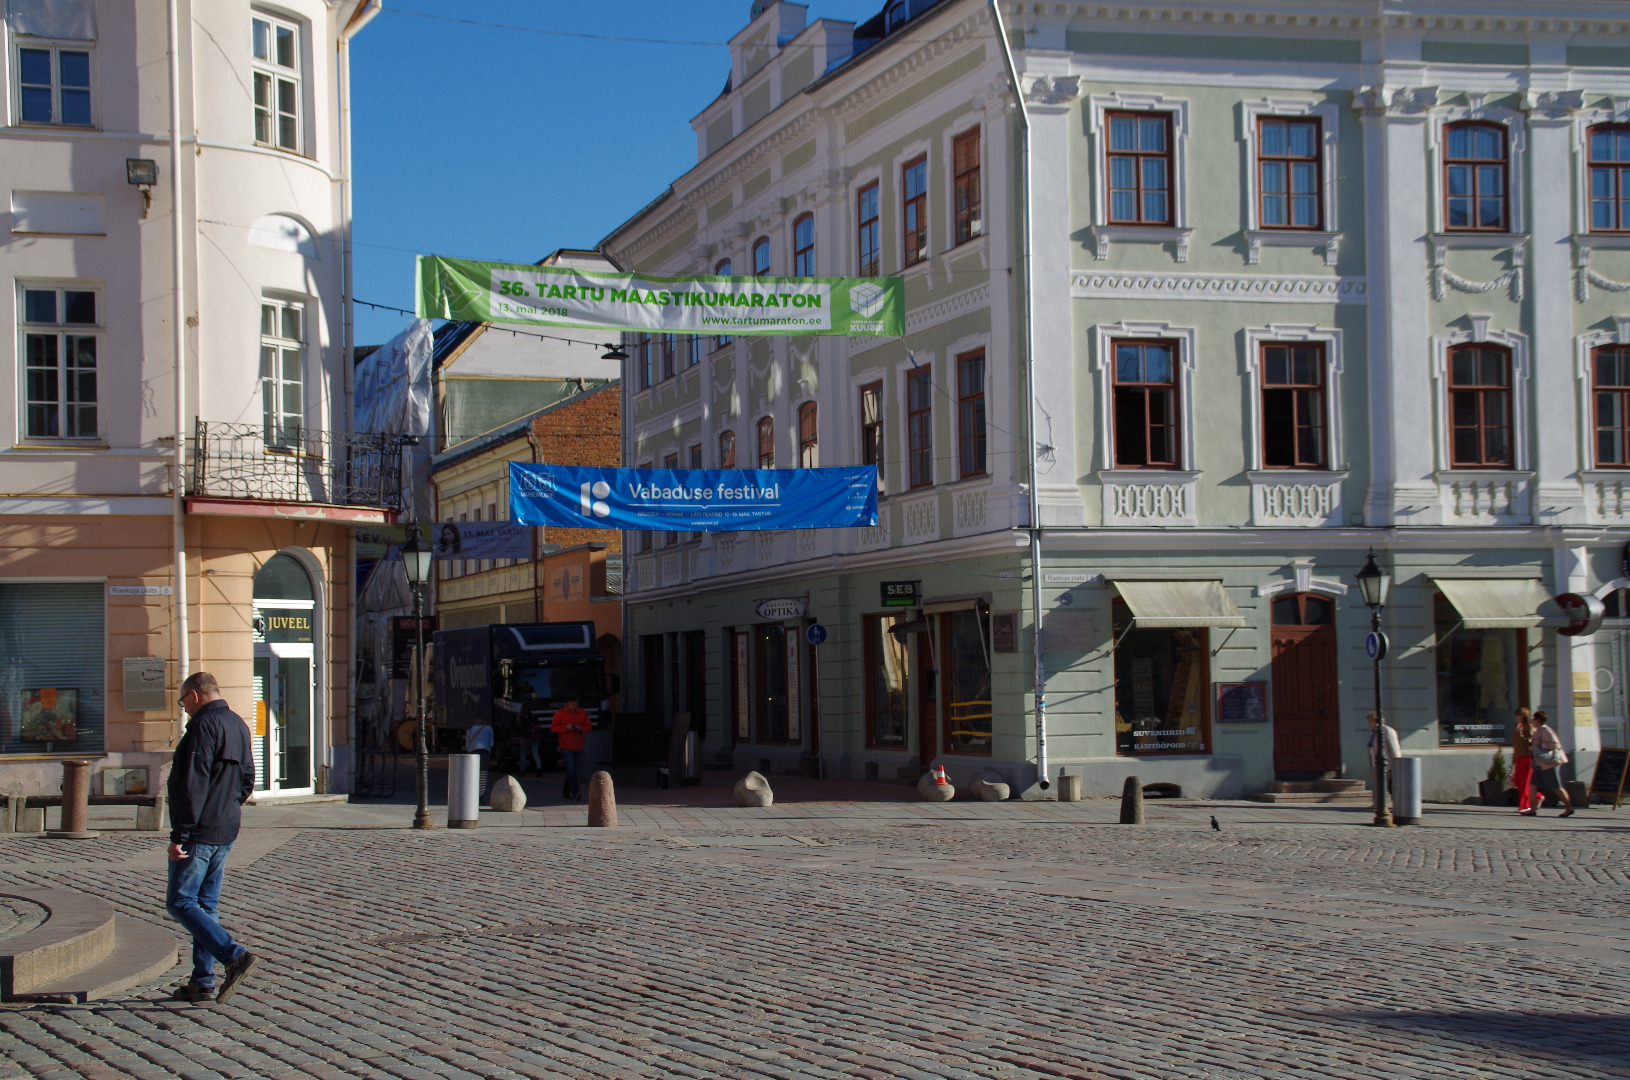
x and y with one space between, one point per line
1140 168
1610 378
871 428
1288 173
761 256
965 668
803 246
920 425
723 270
52 642
970 389
670 461
914 182
693 350
643 369
668 346
1293 407
60 343
1479 407
808 451
1610 179
1303 609
1162 680
277 82
869 256
1474 177
282 371
965 185
54 85
886 668
1145 405
766 443
695 462
1482 679
646 540
727 449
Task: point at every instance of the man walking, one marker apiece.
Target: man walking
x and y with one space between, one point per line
213 773
572 725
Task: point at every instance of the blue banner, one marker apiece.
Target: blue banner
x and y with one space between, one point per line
692 500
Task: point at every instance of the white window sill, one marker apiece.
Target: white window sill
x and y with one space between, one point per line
1298 497
1620 241
1257 239
1149 497
1158 234
1469 239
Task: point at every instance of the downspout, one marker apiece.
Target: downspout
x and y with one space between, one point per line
178 342
1030 384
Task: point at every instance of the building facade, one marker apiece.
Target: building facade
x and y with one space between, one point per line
197 311
1283 286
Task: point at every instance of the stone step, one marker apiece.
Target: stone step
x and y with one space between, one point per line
142 953
1343 798
1294 786
77 934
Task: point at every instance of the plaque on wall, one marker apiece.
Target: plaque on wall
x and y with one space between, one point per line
1004 631
144 689
1067 632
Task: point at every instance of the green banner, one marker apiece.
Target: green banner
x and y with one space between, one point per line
470 291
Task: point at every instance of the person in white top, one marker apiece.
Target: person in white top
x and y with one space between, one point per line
1548 758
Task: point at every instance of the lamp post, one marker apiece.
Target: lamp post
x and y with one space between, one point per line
1373 582
416 556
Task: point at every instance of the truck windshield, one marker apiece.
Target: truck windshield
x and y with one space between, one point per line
559 683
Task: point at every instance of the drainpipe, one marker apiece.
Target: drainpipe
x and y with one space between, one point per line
1030 384
178 342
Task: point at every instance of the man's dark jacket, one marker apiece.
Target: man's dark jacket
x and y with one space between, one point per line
213 773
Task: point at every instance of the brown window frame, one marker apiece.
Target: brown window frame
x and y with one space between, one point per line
803 255
1176 417
1318 422
869 231
643 371
1289 161
914 241
808 436
667 345
1620 392
920 427
1139 156
645 540
1481 393
970 414
1619 169
761 246
722 269
872 431
727 449
965 187
1476 165
766 442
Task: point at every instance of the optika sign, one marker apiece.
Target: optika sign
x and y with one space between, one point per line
780 609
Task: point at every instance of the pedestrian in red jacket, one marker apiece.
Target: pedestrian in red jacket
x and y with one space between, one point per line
572 725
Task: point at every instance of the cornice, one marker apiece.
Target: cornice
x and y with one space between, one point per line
1332 14
913 62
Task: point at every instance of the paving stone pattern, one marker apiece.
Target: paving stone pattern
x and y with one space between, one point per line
19 916
1016 944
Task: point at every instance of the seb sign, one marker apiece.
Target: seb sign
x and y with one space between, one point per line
1582 613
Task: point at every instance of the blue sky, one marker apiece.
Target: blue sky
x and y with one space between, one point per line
504 145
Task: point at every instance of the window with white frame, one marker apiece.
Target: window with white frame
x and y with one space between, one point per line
1294 374
803 246
53 83
282 371
970 393
1608 149
1138 147
276 70
1145 376
871 428
1477 162
808 437
1290 147
1480 410
61 337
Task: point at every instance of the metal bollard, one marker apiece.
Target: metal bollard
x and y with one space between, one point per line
1406 791
463 791
76 790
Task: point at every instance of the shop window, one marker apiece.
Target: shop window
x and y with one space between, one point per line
808 443
727 449
803 246
887 714
920 425
52 689
970 384
1479 407
60 340
276 64
871 428
1140 168
766 443
1145 405
914 209
965 669
1610 178
1288 173
868 249
1482 679
770 682
1162 703
1293 407
1474 177
722 268
1610 378
965 186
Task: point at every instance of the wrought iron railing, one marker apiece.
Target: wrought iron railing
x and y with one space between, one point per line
342 468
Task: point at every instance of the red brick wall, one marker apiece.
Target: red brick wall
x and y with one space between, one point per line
586 432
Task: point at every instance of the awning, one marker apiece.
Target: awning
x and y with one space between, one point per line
1172 605
1495 603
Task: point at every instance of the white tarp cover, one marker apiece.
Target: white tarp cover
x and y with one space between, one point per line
65 20
1495 603
393 395
1173 605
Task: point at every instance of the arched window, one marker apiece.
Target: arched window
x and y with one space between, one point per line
761 256
727 449
1474 177
803 246
1610 178
766 443
808 453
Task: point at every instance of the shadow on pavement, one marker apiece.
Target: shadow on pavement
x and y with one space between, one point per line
1576 1036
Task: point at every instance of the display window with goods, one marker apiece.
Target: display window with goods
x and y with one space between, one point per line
1162 688
1482 677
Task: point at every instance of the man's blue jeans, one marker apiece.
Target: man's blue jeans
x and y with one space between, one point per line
568 784
193 891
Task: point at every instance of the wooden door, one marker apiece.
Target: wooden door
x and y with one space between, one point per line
1306 723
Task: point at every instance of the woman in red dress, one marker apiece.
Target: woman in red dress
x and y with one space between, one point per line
1522 760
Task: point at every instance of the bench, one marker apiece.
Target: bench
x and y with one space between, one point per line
26 813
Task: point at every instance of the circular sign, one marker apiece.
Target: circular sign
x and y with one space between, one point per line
781 609
1584 614
1375 645
816 634
1065 599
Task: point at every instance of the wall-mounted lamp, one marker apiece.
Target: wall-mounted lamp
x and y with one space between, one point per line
142 173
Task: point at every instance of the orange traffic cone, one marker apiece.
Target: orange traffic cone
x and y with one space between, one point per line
939 776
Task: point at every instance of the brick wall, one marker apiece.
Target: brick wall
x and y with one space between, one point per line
585 432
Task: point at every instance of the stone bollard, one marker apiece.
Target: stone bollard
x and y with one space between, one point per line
1069 787
754 790
933 791
989 786
507 795
1132 801
602 801
76 790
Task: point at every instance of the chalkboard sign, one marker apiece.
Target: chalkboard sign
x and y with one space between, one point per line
1610 774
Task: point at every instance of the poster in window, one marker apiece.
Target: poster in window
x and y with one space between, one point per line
50 714
1242 702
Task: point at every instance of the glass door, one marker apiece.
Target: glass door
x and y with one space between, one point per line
282 725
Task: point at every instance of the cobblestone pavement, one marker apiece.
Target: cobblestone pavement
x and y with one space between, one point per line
1012 941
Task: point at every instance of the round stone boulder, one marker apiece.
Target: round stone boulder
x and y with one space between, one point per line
932 792
990 786
507 795
754 790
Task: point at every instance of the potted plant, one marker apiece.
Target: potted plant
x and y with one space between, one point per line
1493 789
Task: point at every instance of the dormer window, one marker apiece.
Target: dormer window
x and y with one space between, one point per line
894 17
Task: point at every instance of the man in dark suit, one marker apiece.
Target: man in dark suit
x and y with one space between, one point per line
213 773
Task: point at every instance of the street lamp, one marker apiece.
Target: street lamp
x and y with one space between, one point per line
416 556
1373 582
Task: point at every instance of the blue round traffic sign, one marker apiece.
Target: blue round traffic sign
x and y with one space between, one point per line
816 633
1375 645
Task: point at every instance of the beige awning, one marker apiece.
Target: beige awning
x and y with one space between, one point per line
1170 605
1495 603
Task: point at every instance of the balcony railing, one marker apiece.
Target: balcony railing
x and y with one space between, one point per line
339 468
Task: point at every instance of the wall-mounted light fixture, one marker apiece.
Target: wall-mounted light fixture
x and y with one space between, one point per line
142 173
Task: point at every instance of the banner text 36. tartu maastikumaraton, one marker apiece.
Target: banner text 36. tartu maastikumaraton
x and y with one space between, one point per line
470 291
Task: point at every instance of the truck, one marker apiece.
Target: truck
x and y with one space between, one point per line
512 675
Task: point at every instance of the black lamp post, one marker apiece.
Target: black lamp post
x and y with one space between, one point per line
416 556
1373 582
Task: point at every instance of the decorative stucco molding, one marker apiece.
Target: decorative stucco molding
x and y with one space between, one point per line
1291 288
931 314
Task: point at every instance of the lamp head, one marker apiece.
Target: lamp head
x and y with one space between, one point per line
141 172
1374 582
416 557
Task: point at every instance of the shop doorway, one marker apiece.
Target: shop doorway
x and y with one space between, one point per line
284 677
1306 718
